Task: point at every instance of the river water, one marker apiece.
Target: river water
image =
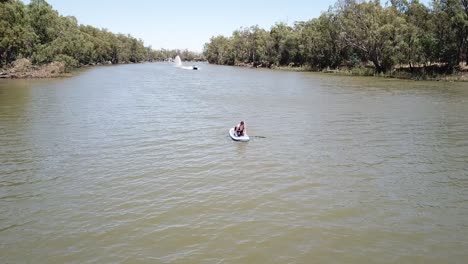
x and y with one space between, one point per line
133 164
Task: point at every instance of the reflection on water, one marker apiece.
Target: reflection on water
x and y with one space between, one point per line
133 163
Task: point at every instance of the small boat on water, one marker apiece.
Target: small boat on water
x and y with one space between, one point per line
244 138
195 67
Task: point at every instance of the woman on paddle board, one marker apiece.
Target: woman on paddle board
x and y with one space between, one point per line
240 129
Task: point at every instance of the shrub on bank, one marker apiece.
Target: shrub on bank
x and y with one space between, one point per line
22 68
21 65
68 62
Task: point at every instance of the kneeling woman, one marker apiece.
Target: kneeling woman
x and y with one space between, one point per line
241 129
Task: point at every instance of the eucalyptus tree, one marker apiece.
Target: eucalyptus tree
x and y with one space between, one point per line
450 28
374 31
286 44
219 50
320 39
17 37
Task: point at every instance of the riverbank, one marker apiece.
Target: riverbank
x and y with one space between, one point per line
399 73
23 69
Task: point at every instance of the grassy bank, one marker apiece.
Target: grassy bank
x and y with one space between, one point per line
404 73
399 73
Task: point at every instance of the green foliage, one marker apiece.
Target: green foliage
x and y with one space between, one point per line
318 39
358 34
16 35
68 61
373 31
286 44
44 20
39 32
220 51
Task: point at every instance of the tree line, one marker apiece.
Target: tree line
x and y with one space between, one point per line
37 32
354 34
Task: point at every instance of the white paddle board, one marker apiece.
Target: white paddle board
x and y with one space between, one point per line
234 137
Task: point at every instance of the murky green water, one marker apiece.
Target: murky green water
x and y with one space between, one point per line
133 163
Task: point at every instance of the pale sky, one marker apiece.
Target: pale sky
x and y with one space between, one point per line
186 24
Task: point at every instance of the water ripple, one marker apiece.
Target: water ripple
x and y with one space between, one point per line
133 164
